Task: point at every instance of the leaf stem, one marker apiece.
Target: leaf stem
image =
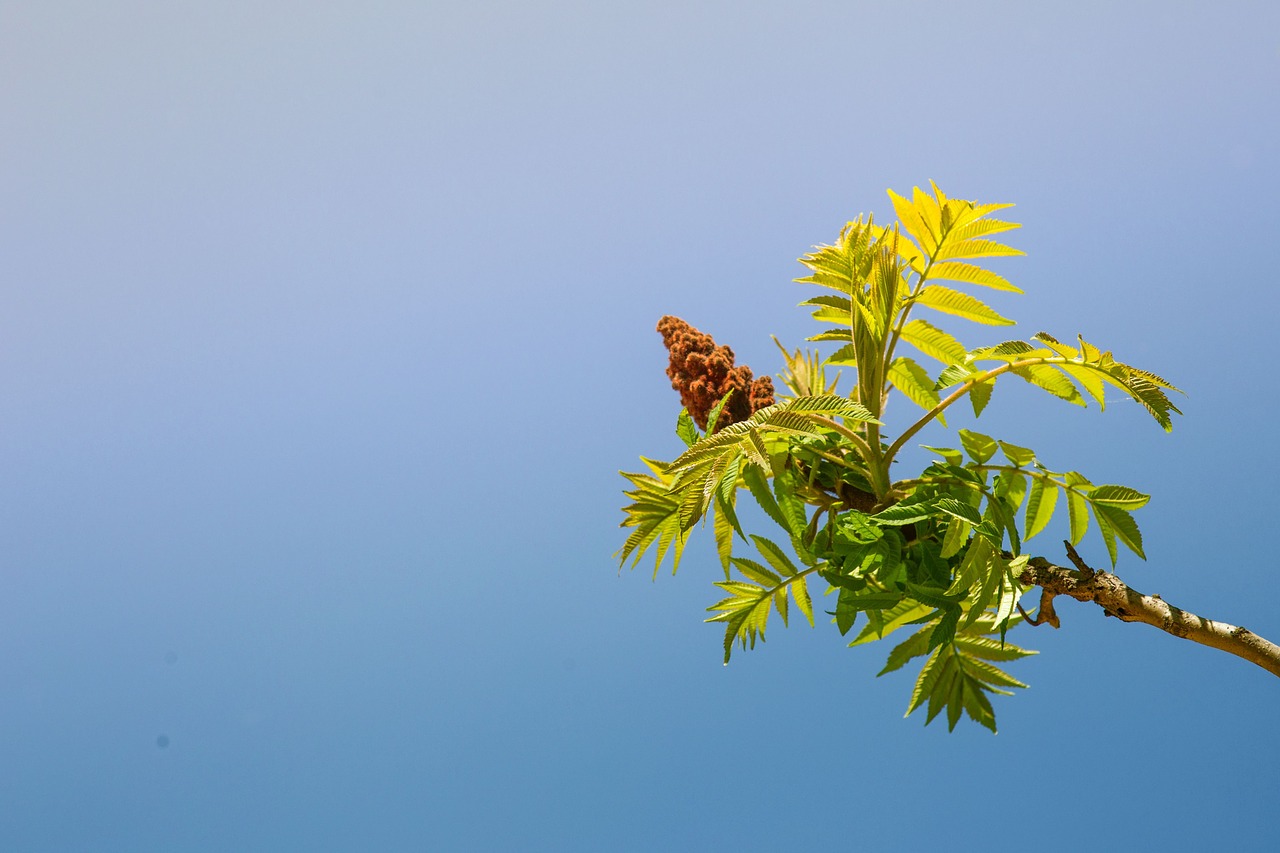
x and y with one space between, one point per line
843 463
965 388
878 480
908 304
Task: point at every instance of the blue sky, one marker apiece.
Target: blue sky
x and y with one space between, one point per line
325 328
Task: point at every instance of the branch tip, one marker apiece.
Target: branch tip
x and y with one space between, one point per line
1084 568
1046 614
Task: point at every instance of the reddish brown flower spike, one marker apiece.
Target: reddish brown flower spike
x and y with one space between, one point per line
703 373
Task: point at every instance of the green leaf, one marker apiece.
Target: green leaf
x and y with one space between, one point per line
759 488
990 649
956 536
952 457
1122 525
1010 592
843 335
844 266
927 679
953 375
975 249
1040 505
693 502
1004 517
1078 512
800 592
1053 344
830 405
980 568
775 556
1011 487
745 614
780 603
906 249
1052 380
905 513
1007 351
727 494
687 429
713 417
1077 507
1020 456
914 222
1153 399
724 538
1089 380
655 515
892 616
915 646
970 274
933 342
944 631
791 507
1121 497
846 355
794 417
959 509
914 383
961 305
1091 354
957 675
1108 533
980 670
981 227
756 572
980 395
840 305
945 691
978 707
979 447
847 610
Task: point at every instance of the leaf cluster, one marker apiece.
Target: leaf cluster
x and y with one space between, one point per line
940 552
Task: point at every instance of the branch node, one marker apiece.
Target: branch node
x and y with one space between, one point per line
1046 614
1086 572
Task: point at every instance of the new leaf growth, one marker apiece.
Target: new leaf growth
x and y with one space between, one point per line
935 560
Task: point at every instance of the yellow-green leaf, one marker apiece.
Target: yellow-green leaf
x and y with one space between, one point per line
960 304
914 223
1040 506
970 274
933 342
800 592
1121 497
914 383
1078 510
1052 380
1089 380
974 249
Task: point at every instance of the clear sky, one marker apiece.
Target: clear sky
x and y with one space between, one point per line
325 328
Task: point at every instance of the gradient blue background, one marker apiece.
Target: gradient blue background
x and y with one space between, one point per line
325 328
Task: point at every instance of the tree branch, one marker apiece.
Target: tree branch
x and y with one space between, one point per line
1118 599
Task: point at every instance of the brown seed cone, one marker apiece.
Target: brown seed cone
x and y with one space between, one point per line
703 373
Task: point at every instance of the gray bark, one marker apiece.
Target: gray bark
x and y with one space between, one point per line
1118 599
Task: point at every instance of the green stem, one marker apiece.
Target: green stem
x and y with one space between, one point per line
859 443
902 318
935 481
843 463
1030 472
1012 469
965 388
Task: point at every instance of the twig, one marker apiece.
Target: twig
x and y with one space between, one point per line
1123 602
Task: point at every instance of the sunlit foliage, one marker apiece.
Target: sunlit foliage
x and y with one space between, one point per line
935 557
